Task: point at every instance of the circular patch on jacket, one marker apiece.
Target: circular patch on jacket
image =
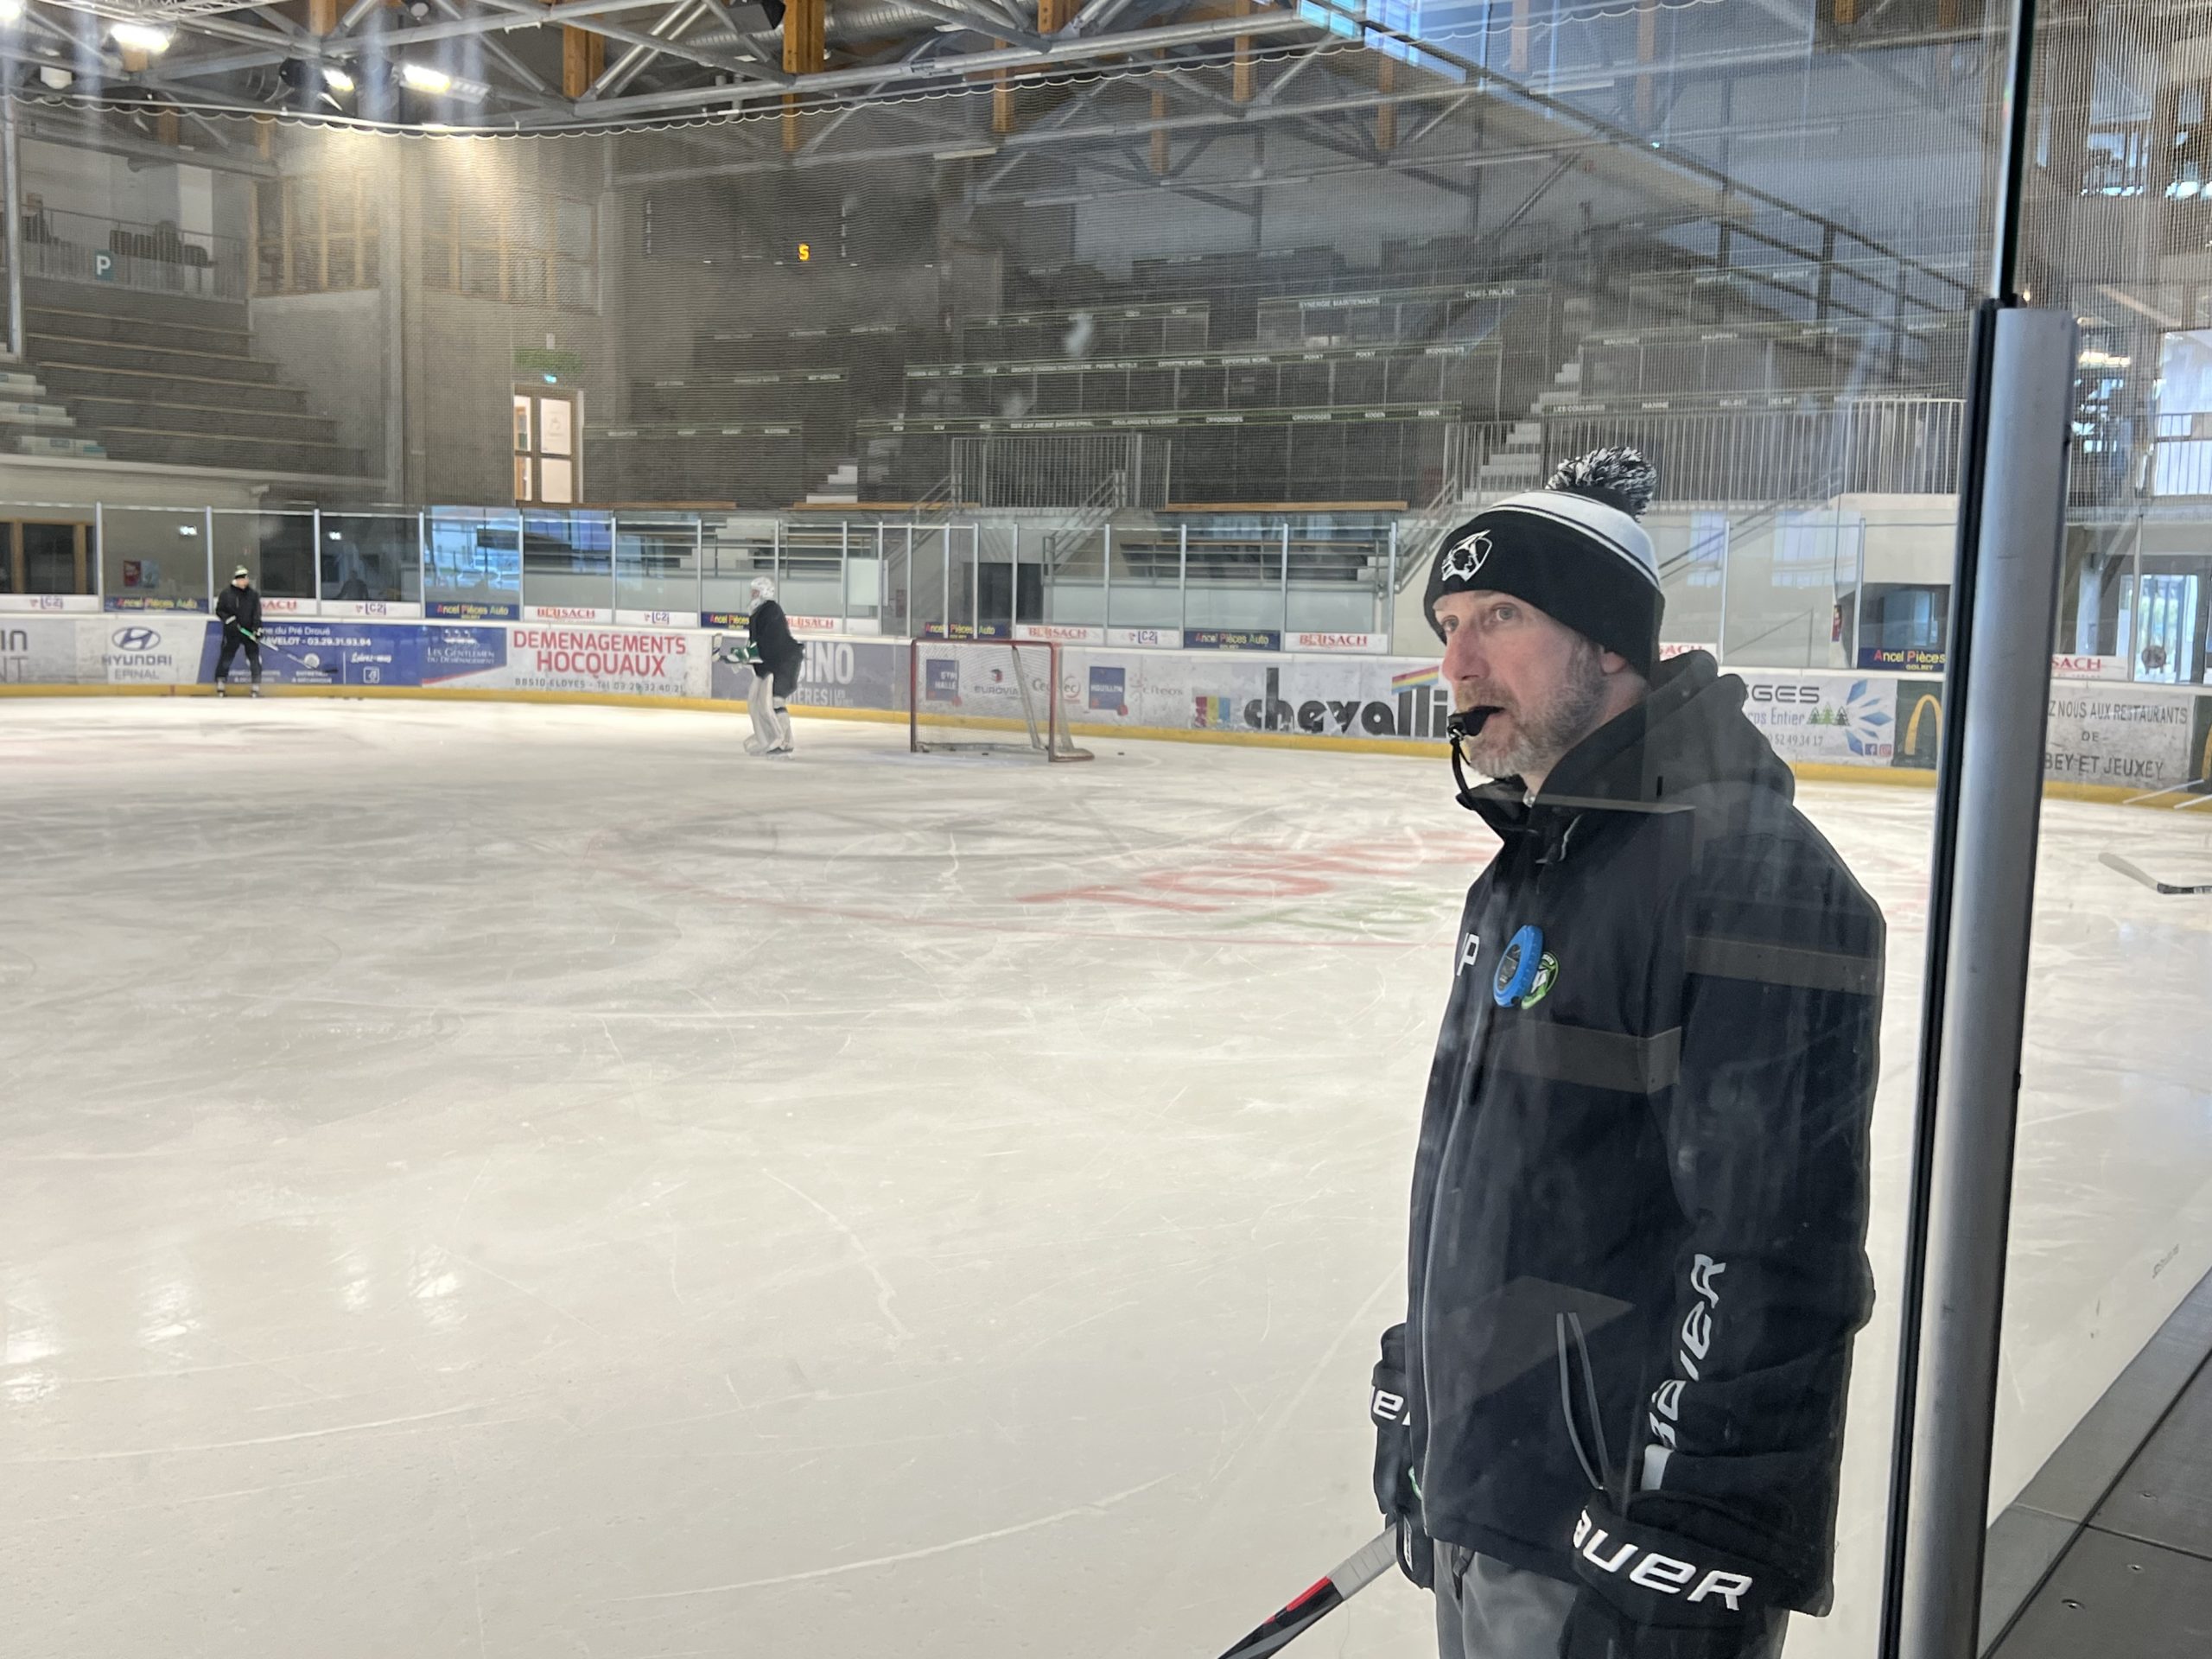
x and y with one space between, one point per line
1518 967
1547 971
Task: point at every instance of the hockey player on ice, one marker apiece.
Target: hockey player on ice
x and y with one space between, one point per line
776 657
239 608
1610 1426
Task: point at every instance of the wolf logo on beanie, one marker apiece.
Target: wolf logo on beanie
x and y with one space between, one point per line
1572 549
1462 561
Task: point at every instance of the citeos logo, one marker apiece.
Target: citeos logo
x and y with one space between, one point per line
136 638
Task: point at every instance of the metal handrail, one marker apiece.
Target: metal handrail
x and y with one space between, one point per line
1107 497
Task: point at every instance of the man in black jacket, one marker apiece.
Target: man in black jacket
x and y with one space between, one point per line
1639 1203
239 607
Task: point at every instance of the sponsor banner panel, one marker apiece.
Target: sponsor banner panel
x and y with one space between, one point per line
1910 660
1314 696
288 606
966 631
1668 652
840 673
154 648
622 661
2078 667
1062 634
569 613
154 603
851 674
38 651
686 620
43 604
1232 639
464 656
815 624
1145 639
2130 736
1919 723
1370 643
473 610
394 610
335 651
1836 719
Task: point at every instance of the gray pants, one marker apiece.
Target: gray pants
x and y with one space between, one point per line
1486 1610
772 726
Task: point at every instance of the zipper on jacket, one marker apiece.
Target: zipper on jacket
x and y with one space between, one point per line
1462 1107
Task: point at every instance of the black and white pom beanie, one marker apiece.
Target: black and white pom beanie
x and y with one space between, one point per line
1572 549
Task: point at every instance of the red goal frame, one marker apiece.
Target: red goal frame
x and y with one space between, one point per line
1041 732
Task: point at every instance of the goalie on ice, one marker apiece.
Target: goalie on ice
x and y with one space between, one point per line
775 655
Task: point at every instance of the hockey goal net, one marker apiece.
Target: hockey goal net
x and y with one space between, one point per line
989 696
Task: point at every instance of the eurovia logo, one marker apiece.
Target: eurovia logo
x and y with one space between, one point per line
1526 971
1465 561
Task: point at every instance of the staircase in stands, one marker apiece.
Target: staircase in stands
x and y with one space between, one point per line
165 379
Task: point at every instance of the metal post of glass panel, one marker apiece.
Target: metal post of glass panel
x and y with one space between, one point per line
1182 576
1993 762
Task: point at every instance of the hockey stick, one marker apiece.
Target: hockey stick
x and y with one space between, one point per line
1344 1582
2135 872
249 633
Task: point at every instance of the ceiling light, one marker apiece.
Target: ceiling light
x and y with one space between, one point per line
332 77
436 83
11 11
54 77
141 37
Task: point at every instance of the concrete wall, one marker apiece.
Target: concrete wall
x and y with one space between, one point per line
335 346
144 193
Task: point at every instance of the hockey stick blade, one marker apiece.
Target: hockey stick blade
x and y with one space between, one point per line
2135 872
1309 1609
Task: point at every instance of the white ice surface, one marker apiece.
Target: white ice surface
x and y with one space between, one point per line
529 1181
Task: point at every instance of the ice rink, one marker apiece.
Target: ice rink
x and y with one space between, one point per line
528 1181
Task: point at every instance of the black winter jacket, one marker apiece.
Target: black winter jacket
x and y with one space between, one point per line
1649 1109
239 607
770 631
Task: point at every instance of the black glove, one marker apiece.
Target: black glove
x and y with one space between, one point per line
1648 1594
1395 1490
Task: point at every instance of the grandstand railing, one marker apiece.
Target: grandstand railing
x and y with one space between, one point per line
72 247
1050 469
1798 450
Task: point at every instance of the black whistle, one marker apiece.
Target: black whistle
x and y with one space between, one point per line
1467 722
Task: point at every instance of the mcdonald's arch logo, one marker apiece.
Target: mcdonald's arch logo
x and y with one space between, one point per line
1927 706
